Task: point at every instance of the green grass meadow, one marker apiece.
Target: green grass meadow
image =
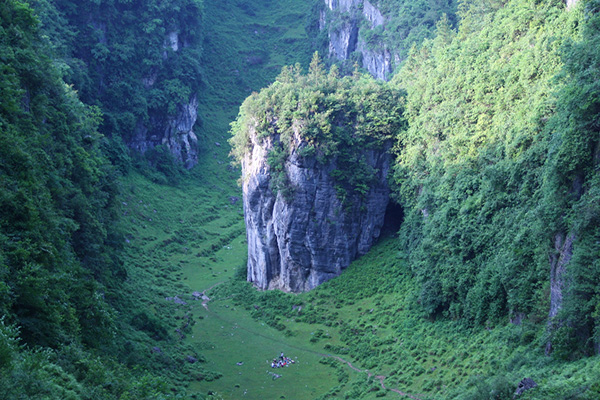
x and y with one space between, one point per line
189 237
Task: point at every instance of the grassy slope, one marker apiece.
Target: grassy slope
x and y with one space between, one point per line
367 317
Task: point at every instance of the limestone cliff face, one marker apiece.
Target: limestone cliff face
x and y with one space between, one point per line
344 39
559 260
176 132
299 242
377 62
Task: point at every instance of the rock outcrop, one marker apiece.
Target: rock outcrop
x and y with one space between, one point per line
175 132
301 240
525 385
559 260
344 38
378 62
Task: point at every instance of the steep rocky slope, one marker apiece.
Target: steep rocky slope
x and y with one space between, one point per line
378 34
297 242
315 157
139 62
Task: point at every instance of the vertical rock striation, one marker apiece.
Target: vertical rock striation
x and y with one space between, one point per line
315 156
559 260
344 38
299 242
175 132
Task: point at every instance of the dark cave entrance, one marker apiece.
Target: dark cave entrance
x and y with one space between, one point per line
394 216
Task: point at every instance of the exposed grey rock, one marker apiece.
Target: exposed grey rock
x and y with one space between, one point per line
175 132
197 295
172 40
377 61
191 359
343 5
372 14
558 264
571 3
344 40
524 385
176 300
298 243
517 318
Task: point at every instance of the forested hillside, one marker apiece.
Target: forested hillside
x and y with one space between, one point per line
98 103
140 62
498 170
59 259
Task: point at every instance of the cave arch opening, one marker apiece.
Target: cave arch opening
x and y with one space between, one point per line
392 221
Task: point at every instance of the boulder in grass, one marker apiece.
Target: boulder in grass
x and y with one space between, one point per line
523 386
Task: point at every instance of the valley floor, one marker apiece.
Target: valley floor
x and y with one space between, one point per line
345 336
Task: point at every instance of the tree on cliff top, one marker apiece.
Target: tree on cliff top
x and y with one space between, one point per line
335 118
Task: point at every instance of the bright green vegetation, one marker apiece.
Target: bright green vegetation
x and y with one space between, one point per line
61 265
322 116
89 251
498 164
117 56
369 316
406 24
496 171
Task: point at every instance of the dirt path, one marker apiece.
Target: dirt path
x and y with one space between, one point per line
205 298
380 378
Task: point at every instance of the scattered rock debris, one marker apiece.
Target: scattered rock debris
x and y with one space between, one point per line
176 300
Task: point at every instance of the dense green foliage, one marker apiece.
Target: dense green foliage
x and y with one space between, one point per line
572 185
498 162
85 268
368 316
58 197
470 162
498 153
405 24
323 116
496 170
136 60
69 328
